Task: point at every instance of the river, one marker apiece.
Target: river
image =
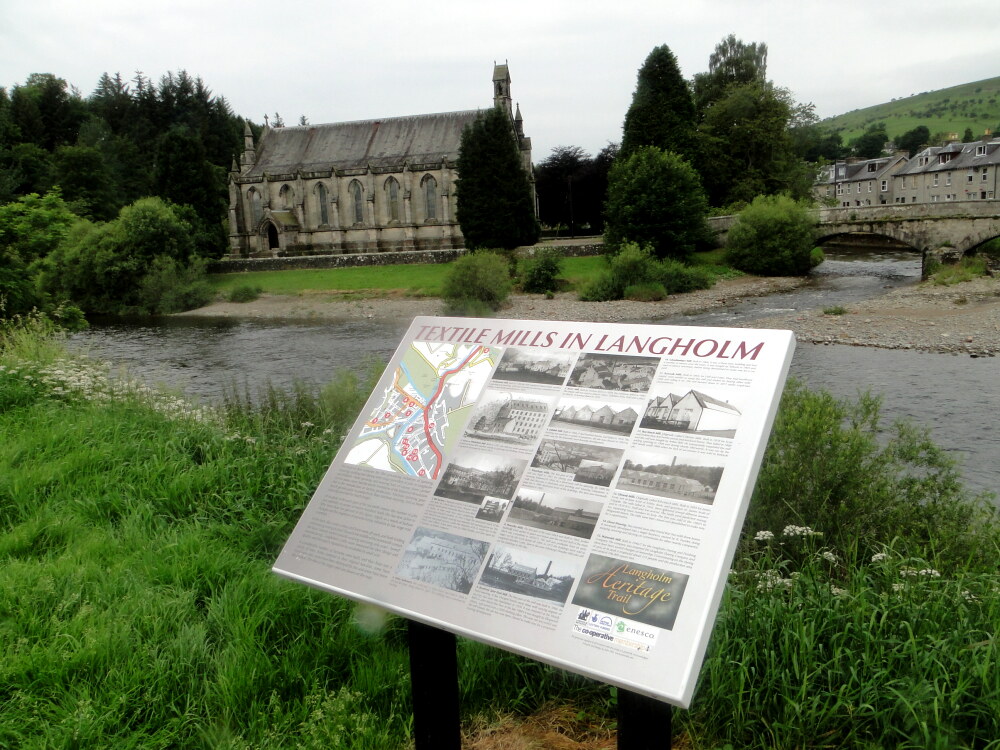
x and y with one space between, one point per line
957 398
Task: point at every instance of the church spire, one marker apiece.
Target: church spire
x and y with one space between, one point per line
501 88
249 157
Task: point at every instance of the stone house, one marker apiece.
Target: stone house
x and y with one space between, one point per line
954 172
363 186
859 182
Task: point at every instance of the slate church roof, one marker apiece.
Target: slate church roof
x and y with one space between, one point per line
384 145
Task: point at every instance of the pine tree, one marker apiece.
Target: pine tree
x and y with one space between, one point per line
494 203
662 111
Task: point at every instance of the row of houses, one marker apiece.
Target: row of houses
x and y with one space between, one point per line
937 174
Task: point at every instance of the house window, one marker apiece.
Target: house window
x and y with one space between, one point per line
934 199
430 197
944 158
869 186
981 150
859 188
922 161
885 185
872 166
256 214
936 179
984 174
324 208
286 196
357 200
392 198
947 178
840 189
972 173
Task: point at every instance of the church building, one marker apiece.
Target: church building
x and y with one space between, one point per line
355 187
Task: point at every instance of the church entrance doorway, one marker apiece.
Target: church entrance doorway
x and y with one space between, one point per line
272 237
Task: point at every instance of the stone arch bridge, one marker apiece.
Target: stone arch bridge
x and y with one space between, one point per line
940 232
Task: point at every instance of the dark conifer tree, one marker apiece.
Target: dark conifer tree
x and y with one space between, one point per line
662 111
494 204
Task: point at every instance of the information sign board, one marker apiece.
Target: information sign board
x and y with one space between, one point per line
569 491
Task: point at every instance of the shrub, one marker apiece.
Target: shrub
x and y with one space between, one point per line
635 268
170 287
477 283
655 198
649 291
835 310
816 256
244 293
540 273
866 483
773 236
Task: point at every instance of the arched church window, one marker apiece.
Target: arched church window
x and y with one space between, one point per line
324 208
430 197
286 196
357 200
392 198
256 213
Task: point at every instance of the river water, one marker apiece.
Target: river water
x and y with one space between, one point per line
957 398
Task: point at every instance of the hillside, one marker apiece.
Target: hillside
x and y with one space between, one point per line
971 105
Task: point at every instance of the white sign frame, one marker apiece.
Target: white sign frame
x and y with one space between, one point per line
572 492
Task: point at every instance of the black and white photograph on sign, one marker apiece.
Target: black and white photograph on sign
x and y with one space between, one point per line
613 372
595 417
554 512
442 559
520 572
590 464
473 475
682 409
492 509
682 476
506 417
628 589
526 366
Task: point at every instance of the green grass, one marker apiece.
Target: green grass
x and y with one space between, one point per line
138 610
967 269
973 105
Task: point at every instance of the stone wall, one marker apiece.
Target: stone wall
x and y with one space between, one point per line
375 259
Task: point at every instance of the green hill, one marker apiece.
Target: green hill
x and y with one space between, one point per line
971 105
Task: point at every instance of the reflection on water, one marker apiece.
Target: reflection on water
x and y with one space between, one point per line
956 397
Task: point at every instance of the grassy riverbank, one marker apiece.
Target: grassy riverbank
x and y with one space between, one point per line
412 280
138 609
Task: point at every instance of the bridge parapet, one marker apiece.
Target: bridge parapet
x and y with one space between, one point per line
908 211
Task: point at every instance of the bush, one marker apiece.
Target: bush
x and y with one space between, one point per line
866 484
244 293
967 269
540 273
649 291
477 283
634 268
170 287
773 236
655 198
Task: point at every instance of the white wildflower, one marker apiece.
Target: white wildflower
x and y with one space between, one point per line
793 530
879 557
897 587
829 556
969 596
764 536
837 591
307 425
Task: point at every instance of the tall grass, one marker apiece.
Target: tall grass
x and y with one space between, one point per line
138 610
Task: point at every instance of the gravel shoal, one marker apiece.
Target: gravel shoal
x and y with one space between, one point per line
960 319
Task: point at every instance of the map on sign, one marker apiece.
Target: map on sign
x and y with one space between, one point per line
424 409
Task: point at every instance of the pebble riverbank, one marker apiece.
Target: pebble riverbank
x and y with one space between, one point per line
963 319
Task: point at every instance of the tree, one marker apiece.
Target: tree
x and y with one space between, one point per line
655 198
747 134
773 236
733 63
914 140
967 136
662 112
101 267
494 204
869 145
560 182
82 176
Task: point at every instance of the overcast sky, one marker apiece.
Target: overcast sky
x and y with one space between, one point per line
573 63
